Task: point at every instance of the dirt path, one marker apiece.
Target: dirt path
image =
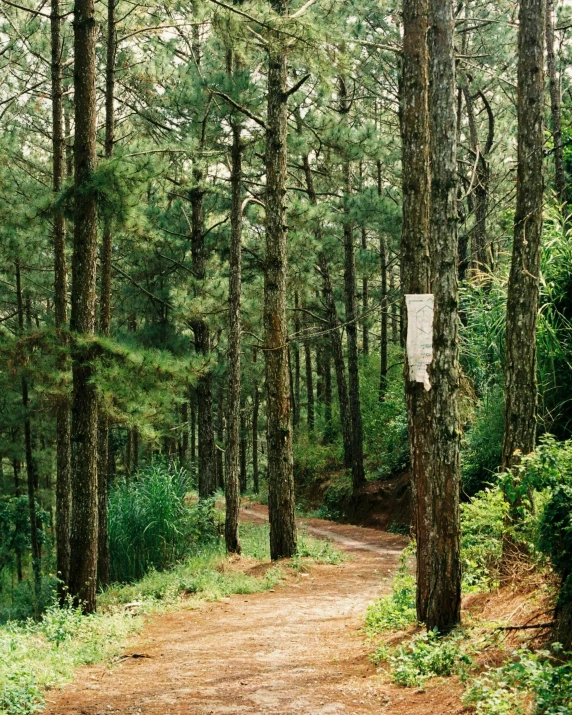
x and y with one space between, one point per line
296 649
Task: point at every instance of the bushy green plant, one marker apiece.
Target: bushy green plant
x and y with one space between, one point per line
151 523
396 610
319 550
508 690
482 524
384 422
426 656
482 443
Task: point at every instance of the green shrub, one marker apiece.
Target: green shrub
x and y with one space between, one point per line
482 524
397 610
426 656
151 525
507 690
384 423
482 443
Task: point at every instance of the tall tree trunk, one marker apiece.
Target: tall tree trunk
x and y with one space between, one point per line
279 432
296 377
481 257
63 447
220 439
16 469
232 490
328 433
201 329
193 428
243 449
383 257
105 303
365 300
255 414
350 295
309 386
207 458
415 265
520 388
555 108
395 304
185 435
438 538
30 463
384 319
84 530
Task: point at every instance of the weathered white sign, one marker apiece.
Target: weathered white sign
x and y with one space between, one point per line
419 336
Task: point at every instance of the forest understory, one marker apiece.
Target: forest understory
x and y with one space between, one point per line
299 648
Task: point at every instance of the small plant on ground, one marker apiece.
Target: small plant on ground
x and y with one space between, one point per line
426 656
527 684
397 610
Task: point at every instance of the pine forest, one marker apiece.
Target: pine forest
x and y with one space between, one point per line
285 357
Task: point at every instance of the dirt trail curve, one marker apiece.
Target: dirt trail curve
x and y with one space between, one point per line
293 650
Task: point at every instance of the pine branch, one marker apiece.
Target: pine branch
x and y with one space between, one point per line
239 107
296 87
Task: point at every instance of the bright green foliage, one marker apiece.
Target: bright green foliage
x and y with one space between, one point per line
482 443
426 656
321 551
397 610
384 423
35 656
507 690
151 523
482 524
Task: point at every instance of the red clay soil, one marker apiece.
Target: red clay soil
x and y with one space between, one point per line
296 649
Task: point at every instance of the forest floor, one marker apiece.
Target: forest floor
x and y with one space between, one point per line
295 649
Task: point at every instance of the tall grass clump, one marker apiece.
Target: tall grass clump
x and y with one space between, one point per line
152 525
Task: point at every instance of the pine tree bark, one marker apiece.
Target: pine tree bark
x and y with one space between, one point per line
520 389
30 462
255 415
105 303
365 300
296 350
206 443
415 265
63 446
232 492
193 427
243 449
84 528
310 413
358 473
220 456
328 430
279 432
384 319
438 538
185 435
383 257
481 254
555 109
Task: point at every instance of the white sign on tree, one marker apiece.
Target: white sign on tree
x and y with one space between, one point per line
419 336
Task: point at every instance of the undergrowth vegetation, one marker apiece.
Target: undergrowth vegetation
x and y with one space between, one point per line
528 681
166 552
